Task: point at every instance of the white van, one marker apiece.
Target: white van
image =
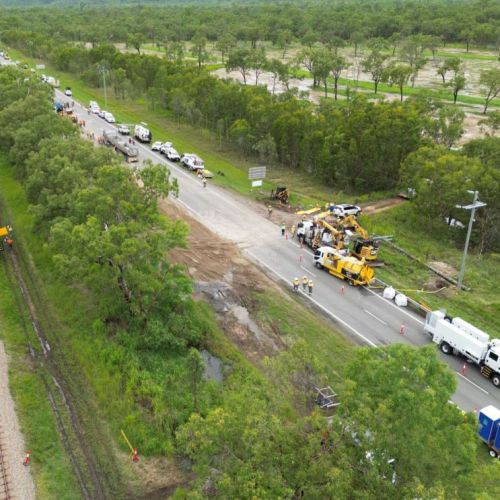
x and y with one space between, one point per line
109 117
142 134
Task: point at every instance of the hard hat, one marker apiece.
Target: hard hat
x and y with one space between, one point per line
305 277
295 279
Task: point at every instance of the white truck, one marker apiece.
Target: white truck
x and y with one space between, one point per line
456 336
142 134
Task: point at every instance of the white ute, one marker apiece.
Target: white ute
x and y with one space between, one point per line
192 161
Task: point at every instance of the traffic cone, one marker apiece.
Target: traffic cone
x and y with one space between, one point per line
342 290
135 457
26 460
462 371
286 236
301 257
475 411
402 329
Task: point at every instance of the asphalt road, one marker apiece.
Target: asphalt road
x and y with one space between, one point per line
361 313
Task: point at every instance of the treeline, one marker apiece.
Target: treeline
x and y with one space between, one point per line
355 145
277 22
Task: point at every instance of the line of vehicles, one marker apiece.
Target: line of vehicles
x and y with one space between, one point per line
140 132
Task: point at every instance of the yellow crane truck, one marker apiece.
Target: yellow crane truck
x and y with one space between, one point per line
354 271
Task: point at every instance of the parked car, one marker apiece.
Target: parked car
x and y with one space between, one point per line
101 113
68 92
192 161
165 146
109 117
94 107
123 129
343 210
172 154
156 146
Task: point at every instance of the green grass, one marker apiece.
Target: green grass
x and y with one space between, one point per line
330 348
481 305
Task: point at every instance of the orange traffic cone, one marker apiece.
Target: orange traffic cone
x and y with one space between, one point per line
26 460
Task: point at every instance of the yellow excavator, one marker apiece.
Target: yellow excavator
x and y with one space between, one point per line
363 246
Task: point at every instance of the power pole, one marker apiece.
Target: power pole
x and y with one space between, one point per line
103 71
475 204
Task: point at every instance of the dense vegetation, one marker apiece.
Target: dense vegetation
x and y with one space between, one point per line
309 21
259 436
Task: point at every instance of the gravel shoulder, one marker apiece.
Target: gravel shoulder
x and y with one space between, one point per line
21 485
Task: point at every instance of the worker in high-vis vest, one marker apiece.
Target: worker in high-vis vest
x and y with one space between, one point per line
305 282
296 284
310 285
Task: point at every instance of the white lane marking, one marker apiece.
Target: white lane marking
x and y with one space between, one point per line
189 209
307 271
470 382
395 306
376 317
334 316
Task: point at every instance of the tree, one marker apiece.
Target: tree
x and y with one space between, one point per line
240 60
491 122
156 183
441 179
285 38
174 51
322 65
119 77
225 44
199 49
397 74
374 64
396 392
357 38
449 64
135 40
457 84
447 125
490 81
338 64
258 62
411 52
280 71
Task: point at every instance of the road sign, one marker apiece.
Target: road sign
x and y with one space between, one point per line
256 184
257 173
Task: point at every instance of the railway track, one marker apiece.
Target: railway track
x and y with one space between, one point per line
5 493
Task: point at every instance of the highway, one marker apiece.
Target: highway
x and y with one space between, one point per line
361 313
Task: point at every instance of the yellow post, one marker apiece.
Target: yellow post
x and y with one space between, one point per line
127 441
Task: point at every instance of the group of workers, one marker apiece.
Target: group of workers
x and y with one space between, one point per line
307 285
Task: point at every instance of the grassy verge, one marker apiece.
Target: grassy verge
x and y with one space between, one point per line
331 349
480 305
51 469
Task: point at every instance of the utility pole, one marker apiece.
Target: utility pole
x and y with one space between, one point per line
103 71
475 204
